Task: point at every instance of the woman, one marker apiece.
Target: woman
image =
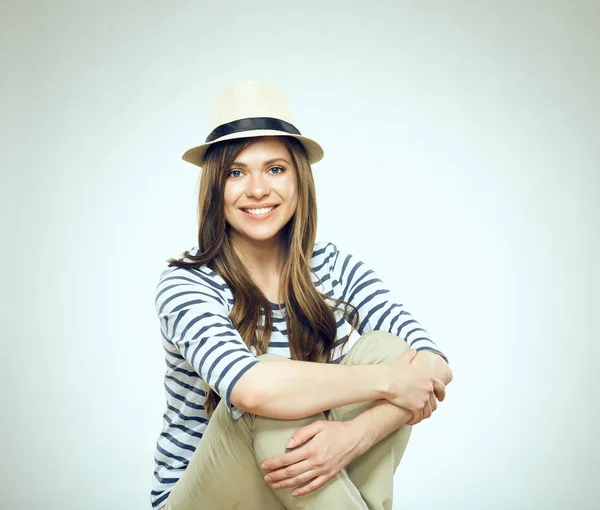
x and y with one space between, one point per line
245 426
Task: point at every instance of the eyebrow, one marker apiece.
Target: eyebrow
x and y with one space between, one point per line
269 162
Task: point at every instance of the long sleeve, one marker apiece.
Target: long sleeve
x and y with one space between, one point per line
193 310
378 309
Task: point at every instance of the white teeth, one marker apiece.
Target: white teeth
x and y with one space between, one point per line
259 212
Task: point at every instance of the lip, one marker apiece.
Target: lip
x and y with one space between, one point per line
258 206
261 217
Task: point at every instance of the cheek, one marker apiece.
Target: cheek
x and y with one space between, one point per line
230 194
291 189
294 198
295 194
229 200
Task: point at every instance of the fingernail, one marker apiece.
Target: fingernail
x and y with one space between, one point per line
290 443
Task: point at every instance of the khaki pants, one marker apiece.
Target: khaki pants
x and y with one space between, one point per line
224 473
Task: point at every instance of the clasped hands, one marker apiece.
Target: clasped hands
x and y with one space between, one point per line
320 450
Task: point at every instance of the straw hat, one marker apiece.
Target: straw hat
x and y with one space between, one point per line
249 109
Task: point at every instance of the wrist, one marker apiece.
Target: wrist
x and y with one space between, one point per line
435 364
361 439
382 382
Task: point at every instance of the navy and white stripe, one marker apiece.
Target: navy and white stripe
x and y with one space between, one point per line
203 348
378 310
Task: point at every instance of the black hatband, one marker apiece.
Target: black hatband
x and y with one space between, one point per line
251 124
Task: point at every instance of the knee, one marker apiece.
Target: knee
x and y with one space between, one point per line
377 347
386 341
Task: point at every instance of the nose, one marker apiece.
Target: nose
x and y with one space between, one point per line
258 186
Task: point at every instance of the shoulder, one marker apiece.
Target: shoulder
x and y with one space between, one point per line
327 257
174 279
324 253
202 276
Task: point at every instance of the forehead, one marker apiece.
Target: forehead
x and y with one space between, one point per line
264 149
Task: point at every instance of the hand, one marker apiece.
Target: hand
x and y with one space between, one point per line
321 450
437 366
413 388
434 364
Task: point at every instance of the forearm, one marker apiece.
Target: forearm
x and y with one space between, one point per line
383 417
377 422
286 389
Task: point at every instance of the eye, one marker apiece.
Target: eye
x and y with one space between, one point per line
276 170
235 173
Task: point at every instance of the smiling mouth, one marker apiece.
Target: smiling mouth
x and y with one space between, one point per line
259 211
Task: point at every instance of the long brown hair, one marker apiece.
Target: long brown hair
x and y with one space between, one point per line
311 325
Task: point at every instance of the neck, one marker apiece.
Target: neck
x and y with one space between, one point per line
263 260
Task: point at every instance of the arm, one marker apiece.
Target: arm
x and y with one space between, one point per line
288 389
383 418
194 318
323 448
435 365
378 308
336 444
376 423
294 389
192 306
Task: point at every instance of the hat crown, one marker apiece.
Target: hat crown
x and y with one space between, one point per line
246 109
249 99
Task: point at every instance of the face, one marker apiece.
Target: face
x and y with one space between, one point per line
261 193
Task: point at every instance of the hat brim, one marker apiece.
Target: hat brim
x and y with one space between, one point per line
196 155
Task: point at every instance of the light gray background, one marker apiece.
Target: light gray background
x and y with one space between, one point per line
462 163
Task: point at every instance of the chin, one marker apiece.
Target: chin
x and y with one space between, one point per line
257 237
262 238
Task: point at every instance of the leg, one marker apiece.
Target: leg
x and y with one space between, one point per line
337 494
373 472
224 471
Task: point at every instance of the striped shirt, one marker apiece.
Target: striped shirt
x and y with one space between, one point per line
202 346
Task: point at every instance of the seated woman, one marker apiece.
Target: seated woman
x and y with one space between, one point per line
293 376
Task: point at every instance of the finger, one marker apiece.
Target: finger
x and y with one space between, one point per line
427 410
439 389
287 459
296 480
412 418
304 434
288 472
420 414
433 403
313 485
417 417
